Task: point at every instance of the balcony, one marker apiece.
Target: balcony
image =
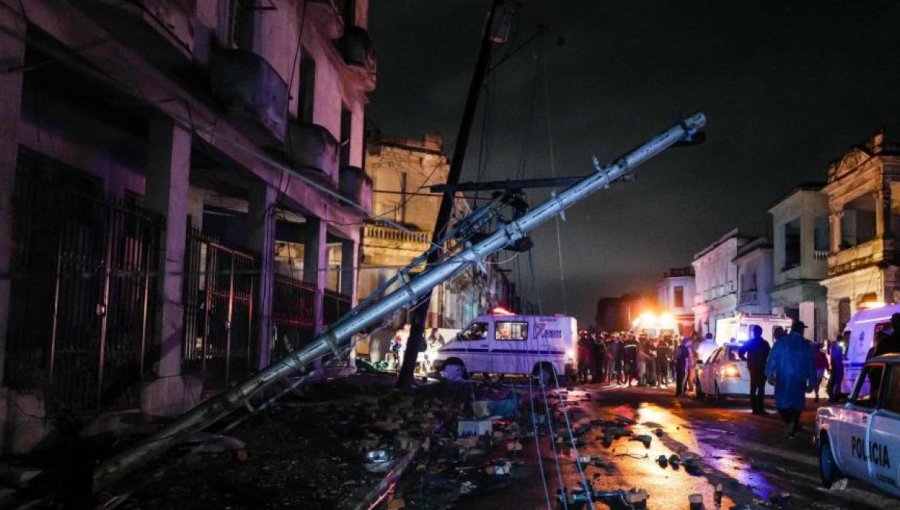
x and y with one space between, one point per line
326 16
359 54
314 150
860 256
356 185
162 30
250 89
750 297
394 234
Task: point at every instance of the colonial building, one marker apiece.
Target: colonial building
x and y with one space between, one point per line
863 262
181 196
800 227
675 295
753 264
715 280
402 169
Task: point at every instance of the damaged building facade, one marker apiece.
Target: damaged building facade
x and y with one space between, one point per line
181 196
863 193
402 169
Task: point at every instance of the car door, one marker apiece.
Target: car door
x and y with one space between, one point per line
512 349
708 378
884 434
472 346
853 426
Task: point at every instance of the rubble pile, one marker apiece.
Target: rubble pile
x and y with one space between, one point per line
329 446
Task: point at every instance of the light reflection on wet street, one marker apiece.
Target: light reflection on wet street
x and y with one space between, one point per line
748 456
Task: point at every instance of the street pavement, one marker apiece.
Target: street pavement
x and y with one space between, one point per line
750 456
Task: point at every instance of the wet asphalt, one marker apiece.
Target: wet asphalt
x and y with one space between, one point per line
750 457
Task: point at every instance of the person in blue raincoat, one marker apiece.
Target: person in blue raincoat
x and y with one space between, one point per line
792 370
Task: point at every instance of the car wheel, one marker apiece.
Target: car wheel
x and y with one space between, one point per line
455 372
699 391
832 476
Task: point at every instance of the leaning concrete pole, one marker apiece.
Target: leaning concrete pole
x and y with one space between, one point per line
338 335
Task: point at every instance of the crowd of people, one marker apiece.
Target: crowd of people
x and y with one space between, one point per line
635 359
794 365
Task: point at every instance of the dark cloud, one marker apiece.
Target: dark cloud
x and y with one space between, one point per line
787 86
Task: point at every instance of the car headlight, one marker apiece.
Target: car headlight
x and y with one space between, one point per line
570 355
730 372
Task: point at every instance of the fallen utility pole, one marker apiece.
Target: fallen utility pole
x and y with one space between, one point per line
332 340
419 315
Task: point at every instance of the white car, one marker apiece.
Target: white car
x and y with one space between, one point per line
861 439
724 374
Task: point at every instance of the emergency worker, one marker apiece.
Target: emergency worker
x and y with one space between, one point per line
756 352
792 371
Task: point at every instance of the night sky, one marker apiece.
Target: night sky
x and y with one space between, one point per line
787 86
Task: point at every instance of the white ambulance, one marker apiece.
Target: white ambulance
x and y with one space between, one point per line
861 439
504 343
737 329
857 338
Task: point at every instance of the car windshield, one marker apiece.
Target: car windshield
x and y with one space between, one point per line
477 331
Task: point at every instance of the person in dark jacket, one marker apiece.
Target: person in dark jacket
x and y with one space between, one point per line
890 343
836 353
599 347
629 359
792 371
756 352
683 362
663 356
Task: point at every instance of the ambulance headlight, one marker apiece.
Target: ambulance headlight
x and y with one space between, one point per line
570 355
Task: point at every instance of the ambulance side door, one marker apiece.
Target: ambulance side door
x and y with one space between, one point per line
884 434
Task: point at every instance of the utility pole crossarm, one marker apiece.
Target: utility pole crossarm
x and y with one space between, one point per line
339 334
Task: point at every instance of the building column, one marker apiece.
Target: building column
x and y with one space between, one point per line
167 189
835 223
833 317
261 239
808 316
12 55
884 205
349 269
315 265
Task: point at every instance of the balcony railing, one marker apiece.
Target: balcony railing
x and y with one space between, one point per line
313 148
358 51
245 84
820 255
395 234
749 297
861 255
356 185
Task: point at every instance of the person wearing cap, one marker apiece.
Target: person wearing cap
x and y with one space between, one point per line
792 370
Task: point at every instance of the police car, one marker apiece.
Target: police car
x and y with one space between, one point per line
861 439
